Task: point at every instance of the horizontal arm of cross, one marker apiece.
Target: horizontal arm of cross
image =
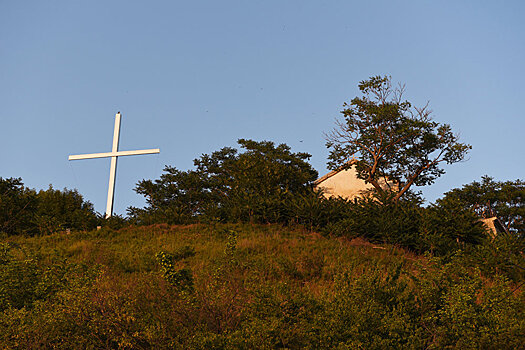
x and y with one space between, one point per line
114 154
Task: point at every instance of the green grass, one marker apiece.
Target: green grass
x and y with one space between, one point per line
249 286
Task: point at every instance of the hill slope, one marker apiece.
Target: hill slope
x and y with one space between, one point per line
246 287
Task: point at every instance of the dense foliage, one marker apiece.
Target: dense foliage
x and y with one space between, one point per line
441 228
254 185
270 184
393 144
26 211
504 199
246 287
17 207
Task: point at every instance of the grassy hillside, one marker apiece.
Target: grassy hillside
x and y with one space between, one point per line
244 287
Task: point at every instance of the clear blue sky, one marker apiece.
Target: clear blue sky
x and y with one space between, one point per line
193 76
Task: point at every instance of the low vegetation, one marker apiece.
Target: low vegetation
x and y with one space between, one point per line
246 286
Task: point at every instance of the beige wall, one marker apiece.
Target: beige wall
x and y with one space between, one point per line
345 184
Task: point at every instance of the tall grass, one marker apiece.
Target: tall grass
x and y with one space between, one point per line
252 287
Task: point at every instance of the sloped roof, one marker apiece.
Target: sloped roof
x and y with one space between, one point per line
334 172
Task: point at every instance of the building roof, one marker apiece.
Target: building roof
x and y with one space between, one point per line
334 172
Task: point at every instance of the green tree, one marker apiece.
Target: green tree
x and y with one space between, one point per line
58 210
392 141
448 225
17 206
228 185
504 199
25 211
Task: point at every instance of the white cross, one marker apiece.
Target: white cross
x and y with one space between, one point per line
114 154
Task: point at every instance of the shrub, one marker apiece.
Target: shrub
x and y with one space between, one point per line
17 207
448 225
25 211
501 255
24 280
58 210
315 212
376 310
114 222
459 309
383 222
181 279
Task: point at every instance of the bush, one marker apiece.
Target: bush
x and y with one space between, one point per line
448 226
181 279
24 281
25 211
441 228
58 210
383 222
377 310
114 222
501 255
17 207
315 212
459 309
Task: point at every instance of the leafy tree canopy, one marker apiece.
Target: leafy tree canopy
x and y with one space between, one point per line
505 199
391 141
25 211
229 185
60 209
17 205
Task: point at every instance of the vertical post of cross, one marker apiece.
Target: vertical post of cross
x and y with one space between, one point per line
113 169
